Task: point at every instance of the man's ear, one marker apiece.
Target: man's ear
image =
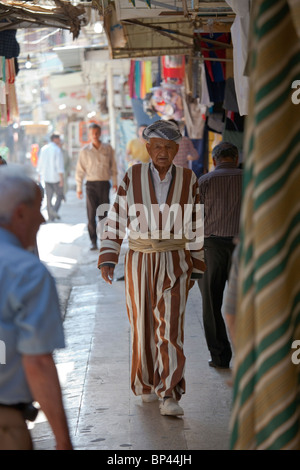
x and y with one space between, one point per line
148 147
19 212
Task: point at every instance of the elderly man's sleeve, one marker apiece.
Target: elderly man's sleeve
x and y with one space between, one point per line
196 246
114 230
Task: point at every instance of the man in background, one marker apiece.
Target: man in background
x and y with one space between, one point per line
221 194
96 164
50 168
136 151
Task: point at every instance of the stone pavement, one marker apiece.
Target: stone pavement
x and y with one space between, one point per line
94 368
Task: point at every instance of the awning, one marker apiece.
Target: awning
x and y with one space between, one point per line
167 28
56 14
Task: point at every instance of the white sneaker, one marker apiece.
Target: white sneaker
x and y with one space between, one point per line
170 407
149 397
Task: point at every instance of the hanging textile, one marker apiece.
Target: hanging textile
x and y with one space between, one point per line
239 34
140 78
173 69
9 51
266 405
12 106
234 123
216 69
3 111
9 46
8 98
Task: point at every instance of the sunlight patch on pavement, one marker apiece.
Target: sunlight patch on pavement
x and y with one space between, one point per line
51 236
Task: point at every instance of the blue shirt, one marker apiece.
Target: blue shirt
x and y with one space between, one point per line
30 316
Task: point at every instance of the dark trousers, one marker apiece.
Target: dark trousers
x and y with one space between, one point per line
51 190
218 254
97 193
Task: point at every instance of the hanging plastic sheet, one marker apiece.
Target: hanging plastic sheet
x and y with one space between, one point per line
173 69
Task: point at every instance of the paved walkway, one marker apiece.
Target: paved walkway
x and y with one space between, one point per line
94 368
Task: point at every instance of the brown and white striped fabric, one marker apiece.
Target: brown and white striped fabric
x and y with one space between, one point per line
157 283
266 405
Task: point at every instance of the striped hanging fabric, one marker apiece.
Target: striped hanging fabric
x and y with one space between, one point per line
12 104
3 95
266 405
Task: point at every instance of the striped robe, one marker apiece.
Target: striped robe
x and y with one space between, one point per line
266 405
156 283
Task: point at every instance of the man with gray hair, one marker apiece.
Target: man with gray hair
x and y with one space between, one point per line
221 194
160 264
30 319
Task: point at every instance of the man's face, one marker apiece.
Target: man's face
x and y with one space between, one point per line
162 152
94 135
31 220
57 141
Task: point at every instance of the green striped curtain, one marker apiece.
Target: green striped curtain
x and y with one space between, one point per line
266 406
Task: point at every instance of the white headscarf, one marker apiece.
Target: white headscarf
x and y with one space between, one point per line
162 130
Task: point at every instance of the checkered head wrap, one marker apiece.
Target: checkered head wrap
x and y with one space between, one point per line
162 130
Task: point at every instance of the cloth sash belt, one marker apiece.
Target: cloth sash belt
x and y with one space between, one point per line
152 245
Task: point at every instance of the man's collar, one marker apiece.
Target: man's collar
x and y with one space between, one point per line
225 165
8 237
91 145
155 169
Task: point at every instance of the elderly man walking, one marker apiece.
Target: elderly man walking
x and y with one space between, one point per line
159 205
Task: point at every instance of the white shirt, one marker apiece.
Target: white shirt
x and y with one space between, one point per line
161 187
51 163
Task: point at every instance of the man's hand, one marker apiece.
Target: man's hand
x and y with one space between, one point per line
115 188
42 377
79 194
107 272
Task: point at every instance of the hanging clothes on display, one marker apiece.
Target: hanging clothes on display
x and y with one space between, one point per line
140 78
239 33
194 116
9 51
173 69
234 123
8 98
12 105
217 68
